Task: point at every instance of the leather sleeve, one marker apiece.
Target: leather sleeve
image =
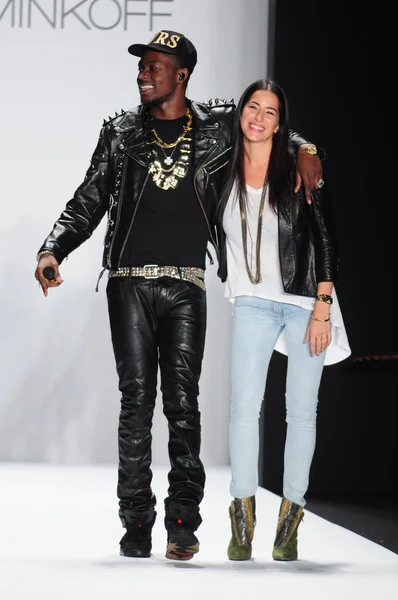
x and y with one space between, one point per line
85 210
323 226
297 139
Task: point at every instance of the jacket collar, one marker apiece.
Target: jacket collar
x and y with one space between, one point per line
204 120
129 128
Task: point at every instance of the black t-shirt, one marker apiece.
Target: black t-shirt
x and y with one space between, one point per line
169 227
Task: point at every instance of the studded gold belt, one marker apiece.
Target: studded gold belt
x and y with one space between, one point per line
192 274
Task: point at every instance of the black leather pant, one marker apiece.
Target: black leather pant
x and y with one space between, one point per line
159 322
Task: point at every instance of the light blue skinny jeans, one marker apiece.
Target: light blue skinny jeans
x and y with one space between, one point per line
257 324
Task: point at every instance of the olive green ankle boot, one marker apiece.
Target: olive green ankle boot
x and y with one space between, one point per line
285 545
243 520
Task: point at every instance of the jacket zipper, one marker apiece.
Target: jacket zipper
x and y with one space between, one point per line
108 259
110 222
200 201
225 151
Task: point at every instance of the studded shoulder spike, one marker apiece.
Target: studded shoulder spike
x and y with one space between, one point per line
219 102
110 119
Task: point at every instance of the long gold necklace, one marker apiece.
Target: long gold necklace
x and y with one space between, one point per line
255 279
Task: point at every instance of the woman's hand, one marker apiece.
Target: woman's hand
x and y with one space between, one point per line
319 335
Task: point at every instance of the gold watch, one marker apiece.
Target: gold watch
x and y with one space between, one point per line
324 298
309 149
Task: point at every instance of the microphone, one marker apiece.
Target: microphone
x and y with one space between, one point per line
49 273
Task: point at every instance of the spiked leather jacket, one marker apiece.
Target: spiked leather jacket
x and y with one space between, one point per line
116 177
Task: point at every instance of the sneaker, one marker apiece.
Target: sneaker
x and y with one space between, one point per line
182 543
137 541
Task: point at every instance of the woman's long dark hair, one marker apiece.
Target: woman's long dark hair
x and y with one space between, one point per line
281 161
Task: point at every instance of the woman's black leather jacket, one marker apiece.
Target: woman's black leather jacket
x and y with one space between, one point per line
307 244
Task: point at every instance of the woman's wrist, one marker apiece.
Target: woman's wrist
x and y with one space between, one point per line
321 307
322 304
319 320
321 311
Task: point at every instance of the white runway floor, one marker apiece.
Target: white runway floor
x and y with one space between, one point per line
59 534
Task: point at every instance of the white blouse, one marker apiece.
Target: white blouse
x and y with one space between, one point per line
270 286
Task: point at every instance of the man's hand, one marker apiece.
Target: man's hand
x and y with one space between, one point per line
309 172
48 261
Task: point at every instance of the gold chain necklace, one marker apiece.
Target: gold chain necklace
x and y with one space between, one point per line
169 178
185 129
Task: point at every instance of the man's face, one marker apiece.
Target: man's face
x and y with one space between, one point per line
157 78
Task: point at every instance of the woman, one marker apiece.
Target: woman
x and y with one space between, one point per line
282 263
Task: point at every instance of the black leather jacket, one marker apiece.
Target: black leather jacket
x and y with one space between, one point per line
307 243
116 177
118 172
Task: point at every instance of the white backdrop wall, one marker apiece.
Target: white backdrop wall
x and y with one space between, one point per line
64 67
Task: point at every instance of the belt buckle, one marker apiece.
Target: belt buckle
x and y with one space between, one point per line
151 275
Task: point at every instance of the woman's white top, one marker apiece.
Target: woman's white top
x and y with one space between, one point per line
270 286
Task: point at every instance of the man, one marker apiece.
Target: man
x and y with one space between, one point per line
157 172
